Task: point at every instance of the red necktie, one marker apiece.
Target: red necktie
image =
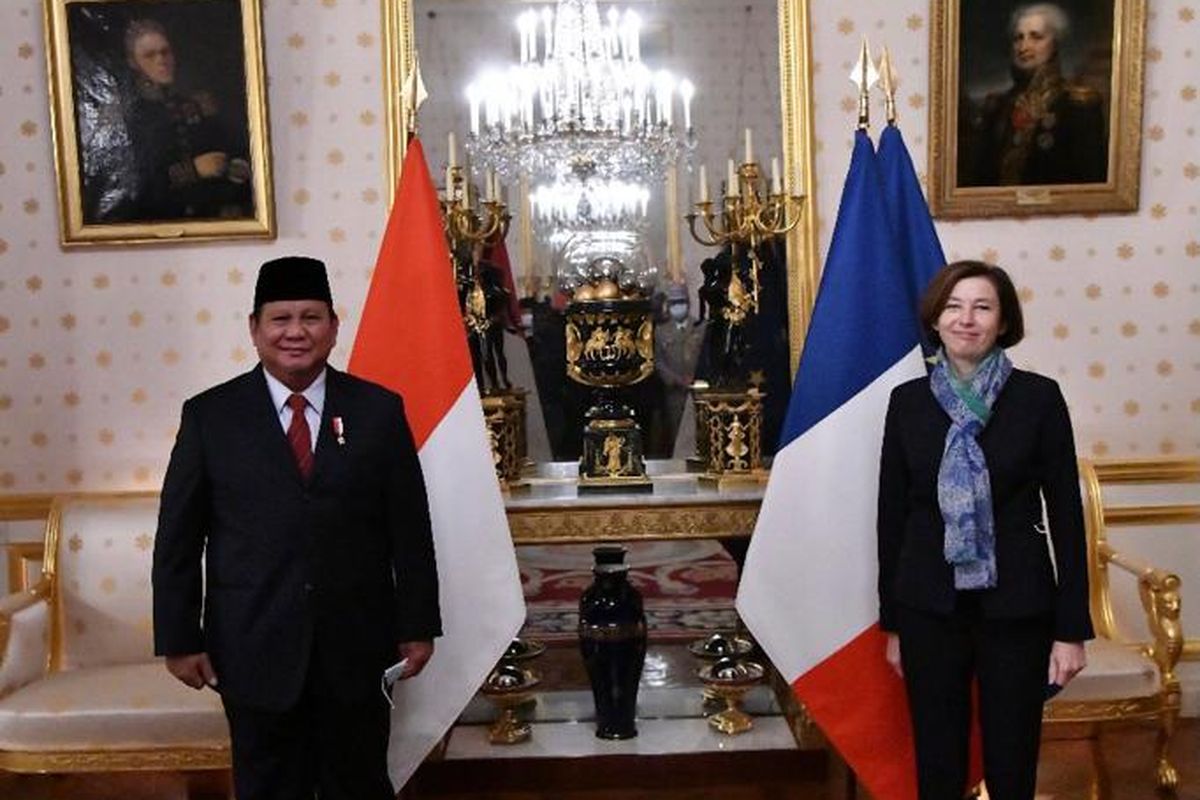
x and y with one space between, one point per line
299 436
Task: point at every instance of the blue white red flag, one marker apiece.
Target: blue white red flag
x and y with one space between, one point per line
916 238
808 592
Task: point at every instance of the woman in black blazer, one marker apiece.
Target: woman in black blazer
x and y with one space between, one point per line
978 458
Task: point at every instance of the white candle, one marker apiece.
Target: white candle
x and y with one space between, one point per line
731 180
452 158
749 146
776 183
473 102
686 91
548 26
449 184
703 184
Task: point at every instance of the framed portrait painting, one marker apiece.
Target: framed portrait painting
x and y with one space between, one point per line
1036 108
160 120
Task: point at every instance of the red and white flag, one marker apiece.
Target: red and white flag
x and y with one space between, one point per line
411 340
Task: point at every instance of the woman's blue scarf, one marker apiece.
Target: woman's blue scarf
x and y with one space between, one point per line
964 488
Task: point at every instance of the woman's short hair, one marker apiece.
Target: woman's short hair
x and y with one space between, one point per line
1056 19
937 294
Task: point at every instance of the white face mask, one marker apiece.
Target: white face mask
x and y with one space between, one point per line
678 311
527 320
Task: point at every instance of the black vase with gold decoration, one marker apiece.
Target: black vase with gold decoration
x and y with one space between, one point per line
612 639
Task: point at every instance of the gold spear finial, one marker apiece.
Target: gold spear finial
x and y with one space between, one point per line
888 80
864 76
414 94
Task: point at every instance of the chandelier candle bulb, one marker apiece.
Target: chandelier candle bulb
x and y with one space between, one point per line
686 92
731 180
703 184
776 183
452 150
749 146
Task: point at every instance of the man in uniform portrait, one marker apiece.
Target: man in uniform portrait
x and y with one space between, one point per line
1044 129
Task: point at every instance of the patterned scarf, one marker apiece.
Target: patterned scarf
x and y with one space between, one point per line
964 489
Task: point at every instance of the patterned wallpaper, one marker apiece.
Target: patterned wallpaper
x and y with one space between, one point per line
1112 303
99 346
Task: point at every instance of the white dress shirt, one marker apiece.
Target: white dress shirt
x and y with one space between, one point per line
314 394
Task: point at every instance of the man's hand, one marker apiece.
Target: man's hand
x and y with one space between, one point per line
892 653
1067 659
417 653
195 670
211 165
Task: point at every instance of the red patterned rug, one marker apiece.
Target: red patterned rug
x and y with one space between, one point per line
688 587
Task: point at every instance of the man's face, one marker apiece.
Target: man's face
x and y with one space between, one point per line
293 339
1032 43
152 57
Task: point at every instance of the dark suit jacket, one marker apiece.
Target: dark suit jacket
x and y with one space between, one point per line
1028 447
339 569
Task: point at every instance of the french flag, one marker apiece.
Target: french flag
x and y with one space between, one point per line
808 591
411 340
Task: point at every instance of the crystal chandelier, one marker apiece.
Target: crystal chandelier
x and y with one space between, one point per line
567 205
581 102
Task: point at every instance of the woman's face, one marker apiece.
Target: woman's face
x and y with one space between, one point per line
970 321
1032 42
152 57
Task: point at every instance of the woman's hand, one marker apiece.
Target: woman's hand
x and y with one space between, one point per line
1067 659
892 653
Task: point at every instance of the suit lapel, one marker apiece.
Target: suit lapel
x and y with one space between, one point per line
327 445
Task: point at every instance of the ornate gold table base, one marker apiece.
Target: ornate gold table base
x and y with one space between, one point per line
612 456
729 436
504 414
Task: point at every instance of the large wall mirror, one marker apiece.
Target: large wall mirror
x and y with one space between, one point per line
749 64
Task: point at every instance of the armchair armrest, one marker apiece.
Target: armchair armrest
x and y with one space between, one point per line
1159 593
24 636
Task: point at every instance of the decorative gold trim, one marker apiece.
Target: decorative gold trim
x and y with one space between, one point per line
1102 710
73 231
167 758
18 507
1119 193
1159 594
796 105
795 86
629 523
397 64
1166 470
1152 515
19 556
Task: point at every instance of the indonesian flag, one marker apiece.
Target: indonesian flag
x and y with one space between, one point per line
808 592
411 340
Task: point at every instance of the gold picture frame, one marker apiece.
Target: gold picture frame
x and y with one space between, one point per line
159 118
1044 118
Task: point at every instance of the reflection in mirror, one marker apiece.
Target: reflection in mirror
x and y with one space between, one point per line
722 61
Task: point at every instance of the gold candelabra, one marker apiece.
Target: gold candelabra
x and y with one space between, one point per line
467 221
747 216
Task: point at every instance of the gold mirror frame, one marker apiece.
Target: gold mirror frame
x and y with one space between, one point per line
795 81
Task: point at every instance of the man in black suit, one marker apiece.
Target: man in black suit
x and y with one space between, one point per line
296 490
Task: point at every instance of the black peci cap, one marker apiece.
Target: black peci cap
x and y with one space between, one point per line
291 278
